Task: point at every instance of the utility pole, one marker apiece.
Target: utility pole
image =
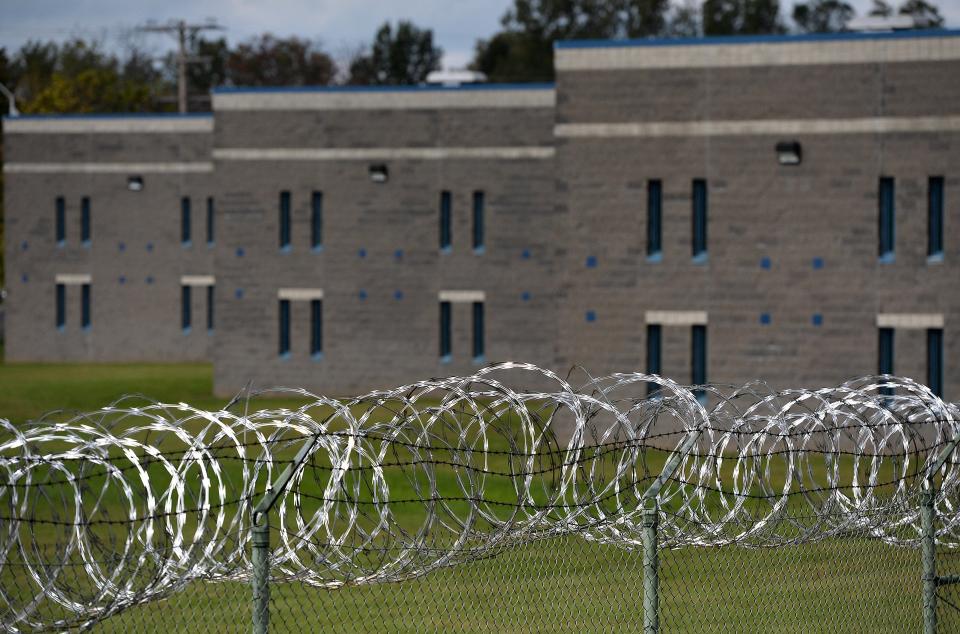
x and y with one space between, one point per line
184 33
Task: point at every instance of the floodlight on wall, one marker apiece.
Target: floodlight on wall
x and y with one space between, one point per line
135 183
378 173
789 153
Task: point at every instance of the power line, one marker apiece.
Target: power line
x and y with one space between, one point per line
183 32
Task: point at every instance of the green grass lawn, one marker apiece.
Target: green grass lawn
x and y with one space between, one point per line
559 584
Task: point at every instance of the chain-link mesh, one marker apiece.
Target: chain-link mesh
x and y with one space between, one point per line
465 504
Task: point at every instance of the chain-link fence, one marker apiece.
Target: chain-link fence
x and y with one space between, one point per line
463 504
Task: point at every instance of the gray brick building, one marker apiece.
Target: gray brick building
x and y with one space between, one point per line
715 209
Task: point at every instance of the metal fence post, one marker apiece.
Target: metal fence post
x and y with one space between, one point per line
651 581
261 573
928 545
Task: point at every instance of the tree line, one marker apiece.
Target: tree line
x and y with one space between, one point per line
83 76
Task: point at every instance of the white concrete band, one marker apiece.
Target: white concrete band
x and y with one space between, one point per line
676 317
911 321
194 167
197 280
387 153
121 125
73 278
383 100
300 294
793 127
460 297
863 51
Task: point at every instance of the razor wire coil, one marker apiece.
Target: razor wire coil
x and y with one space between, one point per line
108 509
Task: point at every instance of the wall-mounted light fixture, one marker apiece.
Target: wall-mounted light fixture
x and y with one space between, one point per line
789 153
378 173
135 183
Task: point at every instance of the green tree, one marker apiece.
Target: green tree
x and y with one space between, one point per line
925 14
523 49
91 90
822 16
684 20
395 58
270 61
741 17
881 9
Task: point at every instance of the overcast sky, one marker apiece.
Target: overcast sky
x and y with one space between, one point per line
340 24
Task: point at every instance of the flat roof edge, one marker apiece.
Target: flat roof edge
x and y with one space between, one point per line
227 90
757 39
166 116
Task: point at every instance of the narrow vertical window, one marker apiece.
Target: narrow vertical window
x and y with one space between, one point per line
445 330
316 327
885 351
186 318
185 220
284 220
654 342
654 218
284 327
85 220
61 220
935 360
885 202
210 307
316 220
478 205
698 360
445 229
885 356
210 218
699 218
85 306
61 306
478 340
935 216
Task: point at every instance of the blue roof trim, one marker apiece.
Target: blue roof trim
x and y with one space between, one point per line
114 115
758 39
369 89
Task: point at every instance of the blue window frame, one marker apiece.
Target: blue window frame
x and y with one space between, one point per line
85 307
284 327
885 351
699 218
61 305
446 210
185 220
478 229
935 360
885 355
935 216
85 220
654 218
210 307
316 327
654 347
284 220
61 220
186 315
210 219
698 361
316 220
445 330
478 331
886 218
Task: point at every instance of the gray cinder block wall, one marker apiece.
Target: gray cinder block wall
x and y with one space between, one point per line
134 259
791 289
381 268
792 284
